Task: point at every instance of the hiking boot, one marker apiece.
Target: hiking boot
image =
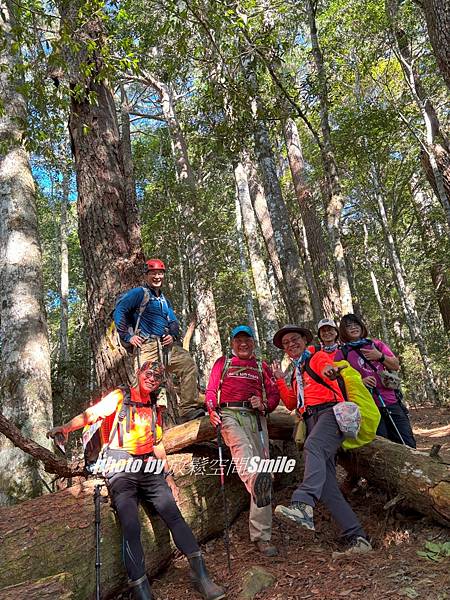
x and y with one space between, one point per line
357 545
140 588
191 415
262 489
201 580
299 512
266 548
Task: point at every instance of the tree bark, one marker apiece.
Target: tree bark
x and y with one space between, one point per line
376 291
55 534
261 282
423 481
404 293
108 224
298 303
210 345
435 246
437 15
125 144
436 148
317 245
26 396
259 204
251 317
335 201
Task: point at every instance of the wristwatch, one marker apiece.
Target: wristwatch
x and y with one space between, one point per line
382 358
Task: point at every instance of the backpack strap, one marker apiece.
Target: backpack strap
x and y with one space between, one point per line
145 300
226 366
263 387
317 378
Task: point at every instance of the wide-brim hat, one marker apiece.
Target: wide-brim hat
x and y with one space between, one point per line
277 338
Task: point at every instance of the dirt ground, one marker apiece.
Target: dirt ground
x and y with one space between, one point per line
305 568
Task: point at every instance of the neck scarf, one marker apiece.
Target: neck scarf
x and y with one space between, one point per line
358 343
298 362
331 348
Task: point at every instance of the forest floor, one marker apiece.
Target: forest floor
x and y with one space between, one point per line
305 568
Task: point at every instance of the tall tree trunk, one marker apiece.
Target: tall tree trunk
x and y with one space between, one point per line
435 246
302 243
26 396
405 294
108 223
248 287
437 15
267 312
299 308
317 244
209 338
125 143
259 204
62 410
436 148
373 278
335 200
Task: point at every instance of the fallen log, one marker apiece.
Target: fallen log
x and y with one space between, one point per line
423 481
54 535
177 438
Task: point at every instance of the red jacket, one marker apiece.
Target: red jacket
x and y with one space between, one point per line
314 393
240 383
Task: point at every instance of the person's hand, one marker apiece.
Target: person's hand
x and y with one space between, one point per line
173 487
370 381
215 419
257 403
276 369
58 430
136 341
332 372
371 354
166 340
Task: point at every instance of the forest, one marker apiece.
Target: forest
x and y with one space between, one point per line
288 161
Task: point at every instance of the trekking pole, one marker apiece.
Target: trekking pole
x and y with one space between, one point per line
261 434
383 404
98 499
226 537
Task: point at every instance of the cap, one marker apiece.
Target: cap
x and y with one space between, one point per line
324 322
277 338
242 329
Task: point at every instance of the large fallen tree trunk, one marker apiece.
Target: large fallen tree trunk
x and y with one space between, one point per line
49 542
422 482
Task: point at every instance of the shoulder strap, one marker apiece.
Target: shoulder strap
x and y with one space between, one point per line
142 306
226 366
263 387
317 378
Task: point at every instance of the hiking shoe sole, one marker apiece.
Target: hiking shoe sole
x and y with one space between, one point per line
284 514
262 489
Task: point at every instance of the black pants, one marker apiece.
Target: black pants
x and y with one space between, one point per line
398 413
125 490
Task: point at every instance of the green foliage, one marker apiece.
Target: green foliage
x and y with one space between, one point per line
435 551
218 58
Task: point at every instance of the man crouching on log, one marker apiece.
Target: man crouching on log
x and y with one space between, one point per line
240 391
134 436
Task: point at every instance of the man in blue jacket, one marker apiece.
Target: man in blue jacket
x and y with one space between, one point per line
157 335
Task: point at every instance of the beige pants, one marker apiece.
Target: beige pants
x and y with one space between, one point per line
240 433
181 363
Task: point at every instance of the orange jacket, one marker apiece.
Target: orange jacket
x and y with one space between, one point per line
314 393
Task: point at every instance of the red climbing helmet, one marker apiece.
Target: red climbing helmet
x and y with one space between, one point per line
155 264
